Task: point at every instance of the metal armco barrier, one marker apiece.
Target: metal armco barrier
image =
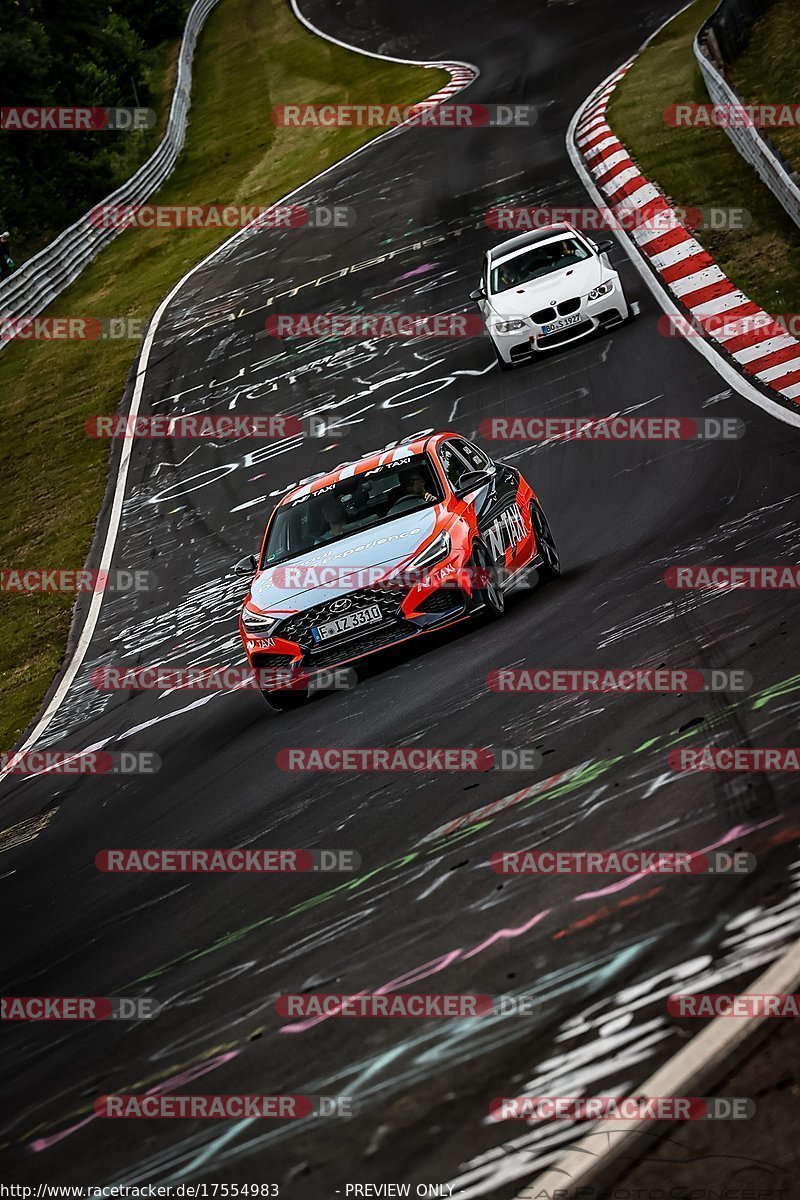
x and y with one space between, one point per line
39 280
720 40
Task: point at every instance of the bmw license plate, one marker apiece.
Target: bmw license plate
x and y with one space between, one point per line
562 324
353 620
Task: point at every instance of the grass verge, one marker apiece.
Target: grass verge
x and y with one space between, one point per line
701 168
252 54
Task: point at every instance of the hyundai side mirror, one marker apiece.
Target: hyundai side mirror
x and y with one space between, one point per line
246 566
471 480
605 246
478 294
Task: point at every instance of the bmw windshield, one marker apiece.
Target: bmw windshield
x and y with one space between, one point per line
350 506
536 262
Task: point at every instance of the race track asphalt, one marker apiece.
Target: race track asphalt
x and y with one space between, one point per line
601 956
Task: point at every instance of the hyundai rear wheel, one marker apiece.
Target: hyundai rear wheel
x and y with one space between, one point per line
545 545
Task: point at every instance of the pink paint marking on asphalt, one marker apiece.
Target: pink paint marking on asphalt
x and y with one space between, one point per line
509 933
423 270
168 1085
738 831
413 976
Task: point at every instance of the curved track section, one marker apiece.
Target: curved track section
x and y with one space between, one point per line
425 911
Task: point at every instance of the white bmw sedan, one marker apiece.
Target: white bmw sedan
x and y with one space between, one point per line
545 289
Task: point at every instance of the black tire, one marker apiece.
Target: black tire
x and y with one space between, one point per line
488 592
545 542
286 701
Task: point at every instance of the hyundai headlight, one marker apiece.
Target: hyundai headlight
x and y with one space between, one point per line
260 623
602 290
439 548
508 326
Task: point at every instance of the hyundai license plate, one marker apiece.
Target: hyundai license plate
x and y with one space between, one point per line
353 620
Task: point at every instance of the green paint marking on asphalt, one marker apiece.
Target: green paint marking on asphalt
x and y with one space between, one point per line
589 773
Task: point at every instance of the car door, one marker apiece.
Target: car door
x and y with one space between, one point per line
480 499
484 305
503 526
458 457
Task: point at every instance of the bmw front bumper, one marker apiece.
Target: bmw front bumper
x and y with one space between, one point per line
577 319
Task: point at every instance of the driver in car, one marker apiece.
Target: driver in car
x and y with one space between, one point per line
508 278
335 517
413 483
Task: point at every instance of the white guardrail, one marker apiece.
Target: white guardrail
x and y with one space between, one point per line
748 139
39 280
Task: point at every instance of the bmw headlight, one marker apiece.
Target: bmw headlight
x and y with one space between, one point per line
508 326
439 548
258 622
602 290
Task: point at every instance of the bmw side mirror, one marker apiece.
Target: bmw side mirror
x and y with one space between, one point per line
478 294
246 566
471 480
604 247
